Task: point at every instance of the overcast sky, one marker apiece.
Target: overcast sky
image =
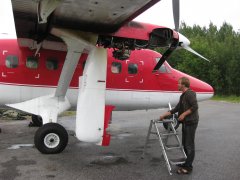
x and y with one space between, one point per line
200 12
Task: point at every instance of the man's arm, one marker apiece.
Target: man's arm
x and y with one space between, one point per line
174 110
165 115
184 114
192 101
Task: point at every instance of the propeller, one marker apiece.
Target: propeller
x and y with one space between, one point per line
181 42
174 45
184 43
167 54
176 12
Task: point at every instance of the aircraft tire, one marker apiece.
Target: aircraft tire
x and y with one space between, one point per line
36 121
176 122
51 138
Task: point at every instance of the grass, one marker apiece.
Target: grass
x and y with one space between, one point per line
68 113
232 99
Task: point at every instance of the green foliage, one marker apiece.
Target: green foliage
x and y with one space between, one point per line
233 99
222 47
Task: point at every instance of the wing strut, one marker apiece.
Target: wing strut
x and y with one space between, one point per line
45 8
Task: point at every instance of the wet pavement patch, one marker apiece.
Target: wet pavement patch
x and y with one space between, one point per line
109 160
136 151
18 146
50 176
10 167
127 134
155 160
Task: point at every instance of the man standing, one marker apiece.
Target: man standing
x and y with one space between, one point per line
187 109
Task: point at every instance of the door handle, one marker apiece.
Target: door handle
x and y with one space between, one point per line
4 75
37 77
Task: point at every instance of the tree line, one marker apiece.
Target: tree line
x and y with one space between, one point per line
222 47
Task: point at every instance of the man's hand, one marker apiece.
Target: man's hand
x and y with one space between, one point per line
181 117
161 118
164 115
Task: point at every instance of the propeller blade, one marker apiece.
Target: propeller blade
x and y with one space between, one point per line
167 53
194 52
176 12
159 63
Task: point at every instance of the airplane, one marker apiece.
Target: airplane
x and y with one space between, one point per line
92 57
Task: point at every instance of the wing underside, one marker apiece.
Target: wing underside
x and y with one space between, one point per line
98 16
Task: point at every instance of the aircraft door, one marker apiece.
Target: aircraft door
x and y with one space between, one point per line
134 74
9 76
10 66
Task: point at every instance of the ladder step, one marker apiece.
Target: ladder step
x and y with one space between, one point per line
169 134
164 121
177 161
170 147
153 133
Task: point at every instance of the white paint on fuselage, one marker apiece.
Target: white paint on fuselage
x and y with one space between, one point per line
123 100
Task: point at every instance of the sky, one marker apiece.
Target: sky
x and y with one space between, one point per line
200 12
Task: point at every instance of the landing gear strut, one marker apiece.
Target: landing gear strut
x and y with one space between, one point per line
51 138
36 121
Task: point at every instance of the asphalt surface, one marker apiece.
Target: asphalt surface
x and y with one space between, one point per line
217 149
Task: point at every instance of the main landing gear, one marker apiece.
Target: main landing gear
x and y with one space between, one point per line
51 138
36 121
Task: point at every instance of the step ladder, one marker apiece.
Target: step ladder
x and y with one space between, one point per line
163 137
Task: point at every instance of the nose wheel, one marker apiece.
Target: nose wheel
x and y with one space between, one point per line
175 121
51 138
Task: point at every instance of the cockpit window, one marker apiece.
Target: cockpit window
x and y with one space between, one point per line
163 68
132 68
116 67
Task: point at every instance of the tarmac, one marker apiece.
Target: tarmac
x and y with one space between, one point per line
217 149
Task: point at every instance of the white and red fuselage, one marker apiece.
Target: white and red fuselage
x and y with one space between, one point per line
132 87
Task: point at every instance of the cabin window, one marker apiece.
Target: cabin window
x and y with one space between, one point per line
132 68
116 67
32 62
52 63
11 61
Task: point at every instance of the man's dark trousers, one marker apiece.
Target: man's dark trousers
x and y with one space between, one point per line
188 136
